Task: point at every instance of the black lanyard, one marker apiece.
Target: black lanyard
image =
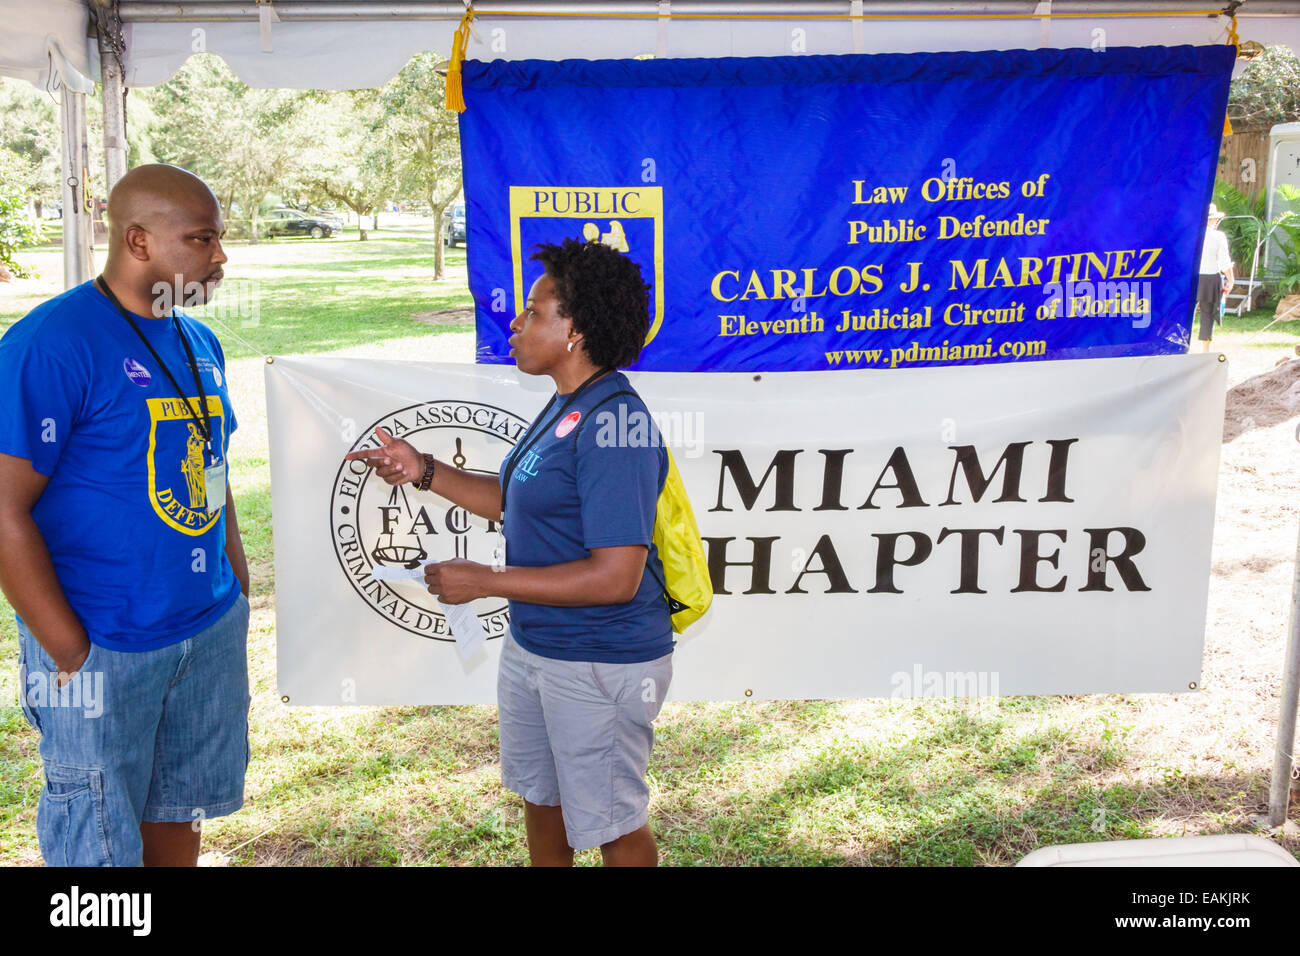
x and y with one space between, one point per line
204 422
522 450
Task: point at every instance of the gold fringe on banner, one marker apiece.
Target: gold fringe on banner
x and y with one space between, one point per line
455 93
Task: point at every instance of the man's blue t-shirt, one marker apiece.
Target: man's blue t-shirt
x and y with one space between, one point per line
124 514
592 480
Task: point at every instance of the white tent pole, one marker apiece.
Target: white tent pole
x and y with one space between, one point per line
110 39
1280 785
75 166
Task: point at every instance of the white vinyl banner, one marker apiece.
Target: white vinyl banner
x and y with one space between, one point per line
1040 528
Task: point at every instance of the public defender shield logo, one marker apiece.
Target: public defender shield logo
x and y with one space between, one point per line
627 218
176 461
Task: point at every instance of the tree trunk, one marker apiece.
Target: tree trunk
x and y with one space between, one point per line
361 226
438 267
253 222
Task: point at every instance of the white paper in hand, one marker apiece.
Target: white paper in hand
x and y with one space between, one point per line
383 573
466 628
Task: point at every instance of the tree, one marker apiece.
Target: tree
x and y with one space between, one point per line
29 129
358 169
244 142
1267 92
425 138
17 228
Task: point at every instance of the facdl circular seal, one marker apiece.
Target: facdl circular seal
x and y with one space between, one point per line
374 523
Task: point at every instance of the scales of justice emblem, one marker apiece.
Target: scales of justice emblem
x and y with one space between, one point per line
374 524
192 469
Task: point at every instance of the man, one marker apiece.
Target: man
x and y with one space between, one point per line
1217 275
119 545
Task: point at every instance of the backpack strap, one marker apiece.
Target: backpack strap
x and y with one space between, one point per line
674 605
591 411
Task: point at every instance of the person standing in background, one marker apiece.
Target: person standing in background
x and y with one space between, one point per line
1217 275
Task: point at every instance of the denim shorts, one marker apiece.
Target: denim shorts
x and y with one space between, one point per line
158 736
578 734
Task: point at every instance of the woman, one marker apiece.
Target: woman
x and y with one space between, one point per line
588 658
1216 276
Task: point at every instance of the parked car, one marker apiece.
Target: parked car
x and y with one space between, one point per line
453 225
294 222
329 215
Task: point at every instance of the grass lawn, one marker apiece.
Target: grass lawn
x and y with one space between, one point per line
820 782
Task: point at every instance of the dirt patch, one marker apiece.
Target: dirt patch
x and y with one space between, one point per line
1263 401
455 317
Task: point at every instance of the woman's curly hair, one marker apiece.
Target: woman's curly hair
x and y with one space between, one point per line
602 292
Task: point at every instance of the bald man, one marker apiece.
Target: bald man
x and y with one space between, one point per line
119 546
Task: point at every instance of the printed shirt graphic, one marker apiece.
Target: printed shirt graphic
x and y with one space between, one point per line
563 502
125 513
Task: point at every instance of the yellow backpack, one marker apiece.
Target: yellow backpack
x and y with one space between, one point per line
686 583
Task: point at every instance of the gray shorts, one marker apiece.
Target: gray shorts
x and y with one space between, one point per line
577 735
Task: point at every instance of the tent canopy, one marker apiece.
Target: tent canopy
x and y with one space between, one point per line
346 44
44 41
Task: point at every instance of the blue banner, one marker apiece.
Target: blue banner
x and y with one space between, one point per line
900 210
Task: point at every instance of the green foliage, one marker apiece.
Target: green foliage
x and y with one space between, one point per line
358 169
1243 234
1284 270
243 142
426 137
1267 91
29 131
17 227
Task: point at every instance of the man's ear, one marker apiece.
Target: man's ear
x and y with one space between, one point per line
136 241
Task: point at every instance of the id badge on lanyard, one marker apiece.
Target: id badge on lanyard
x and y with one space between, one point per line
214 485
214 474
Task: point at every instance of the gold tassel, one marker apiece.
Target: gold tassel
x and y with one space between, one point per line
455 94
1236 45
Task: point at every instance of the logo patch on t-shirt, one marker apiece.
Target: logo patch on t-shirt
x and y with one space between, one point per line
137 373
177 485
567 424
216 375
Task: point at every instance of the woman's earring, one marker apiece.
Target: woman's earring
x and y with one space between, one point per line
570 346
